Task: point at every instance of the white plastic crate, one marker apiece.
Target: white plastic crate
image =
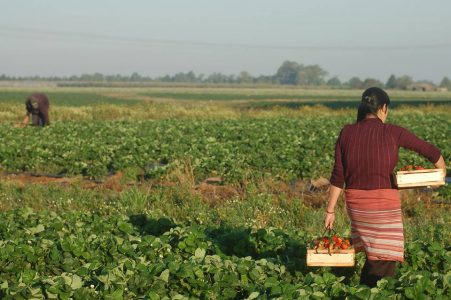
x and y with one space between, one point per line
420 178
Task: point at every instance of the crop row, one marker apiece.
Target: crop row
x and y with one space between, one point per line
72 99
287 148
85 256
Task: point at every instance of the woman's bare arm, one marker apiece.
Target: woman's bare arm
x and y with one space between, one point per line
334 193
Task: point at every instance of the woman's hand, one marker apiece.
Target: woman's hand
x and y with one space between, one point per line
329 220
440 164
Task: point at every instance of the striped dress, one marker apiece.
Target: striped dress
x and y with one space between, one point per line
366 154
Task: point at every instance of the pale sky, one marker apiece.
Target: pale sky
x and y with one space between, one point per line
159 37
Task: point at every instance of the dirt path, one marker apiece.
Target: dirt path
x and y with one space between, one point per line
42 179
313 193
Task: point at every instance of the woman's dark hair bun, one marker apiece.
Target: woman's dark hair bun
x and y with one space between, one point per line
373 98
368 100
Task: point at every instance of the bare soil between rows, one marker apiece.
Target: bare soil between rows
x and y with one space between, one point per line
312 192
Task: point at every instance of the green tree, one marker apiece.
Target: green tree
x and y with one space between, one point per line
404 82
185 77
334 81
219 78
288 73
446 83
355 83
244 78
265 79
391 82
371 82
311 75
135 77
92 77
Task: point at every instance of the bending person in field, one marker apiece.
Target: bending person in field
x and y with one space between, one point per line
37 106
366 154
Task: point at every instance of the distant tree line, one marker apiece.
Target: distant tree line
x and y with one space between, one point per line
289 73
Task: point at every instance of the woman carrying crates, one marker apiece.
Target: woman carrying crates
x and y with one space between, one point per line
366 154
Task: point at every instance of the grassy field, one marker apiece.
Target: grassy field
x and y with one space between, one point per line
207 102
129 213
207 93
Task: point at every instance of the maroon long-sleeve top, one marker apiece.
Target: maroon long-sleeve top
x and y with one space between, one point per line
366 154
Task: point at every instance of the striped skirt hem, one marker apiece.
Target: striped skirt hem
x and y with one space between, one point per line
376 223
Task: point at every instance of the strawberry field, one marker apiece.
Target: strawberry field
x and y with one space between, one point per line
130 214
237 150
85 256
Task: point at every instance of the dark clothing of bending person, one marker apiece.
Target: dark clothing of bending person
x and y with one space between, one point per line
37 106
